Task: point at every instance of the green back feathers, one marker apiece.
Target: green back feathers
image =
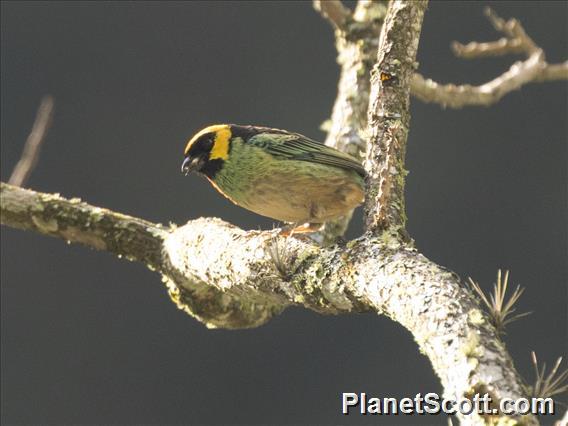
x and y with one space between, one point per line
294 146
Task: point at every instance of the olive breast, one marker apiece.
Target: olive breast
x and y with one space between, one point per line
288 190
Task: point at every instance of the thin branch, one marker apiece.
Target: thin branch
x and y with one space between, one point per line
516 40
533 69
334 11
474 49
554 72
226 277
389 117
30 154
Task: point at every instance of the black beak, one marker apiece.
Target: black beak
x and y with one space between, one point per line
190 165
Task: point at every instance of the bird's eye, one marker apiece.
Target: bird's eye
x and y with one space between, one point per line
206 143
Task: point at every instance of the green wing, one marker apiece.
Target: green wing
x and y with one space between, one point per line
294 146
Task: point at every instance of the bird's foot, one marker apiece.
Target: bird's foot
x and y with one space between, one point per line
306 228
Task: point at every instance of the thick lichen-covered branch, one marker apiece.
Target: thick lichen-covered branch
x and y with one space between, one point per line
227 277
389 117
79 222
130 238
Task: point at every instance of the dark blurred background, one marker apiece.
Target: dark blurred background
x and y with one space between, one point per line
88 338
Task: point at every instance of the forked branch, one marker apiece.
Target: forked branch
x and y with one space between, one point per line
227 277
515 40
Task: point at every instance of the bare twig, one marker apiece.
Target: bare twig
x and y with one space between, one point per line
533 69
516 40
554 72
334 11
500 310
548 385
30 154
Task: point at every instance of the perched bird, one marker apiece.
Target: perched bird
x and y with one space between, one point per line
276 173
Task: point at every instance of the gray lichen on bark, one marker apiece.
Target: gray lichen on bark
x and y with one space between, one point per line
224 277
389 117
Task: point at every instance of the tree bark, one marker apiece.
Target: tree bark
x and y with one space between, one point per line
389 117
230 278
357 41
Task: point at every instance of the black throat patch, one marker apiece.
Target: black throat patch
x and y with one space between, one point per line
212 167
